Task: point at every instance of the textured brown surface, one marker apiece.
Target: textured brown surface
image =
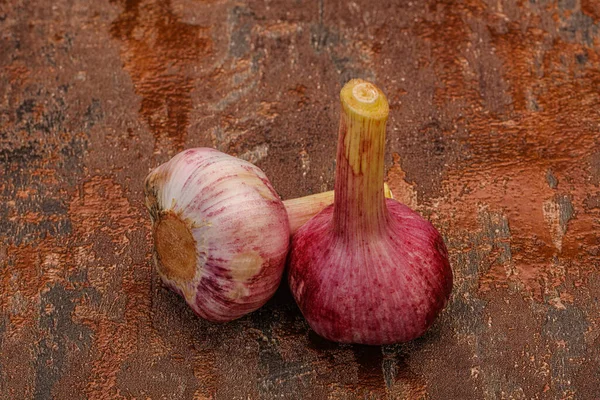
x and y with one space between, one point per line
494 135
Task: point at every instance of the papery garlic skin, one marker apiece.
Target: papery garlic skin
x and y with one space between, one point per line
367 269
220 230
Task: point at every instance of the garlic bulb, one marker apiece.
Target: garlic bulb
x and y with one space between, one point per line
367 269
221 233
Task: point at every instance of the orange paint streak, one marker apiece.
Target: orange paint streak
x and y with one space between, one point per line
160 51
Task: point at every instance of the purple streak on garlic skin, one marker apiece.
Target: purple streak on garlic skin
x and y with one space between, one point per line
239 232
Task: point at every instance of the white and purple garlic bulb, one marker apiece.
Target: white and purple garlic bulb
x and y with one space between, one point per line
221 232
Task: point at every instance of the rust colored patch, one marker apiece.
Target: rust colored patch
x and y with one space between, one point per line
18 73
160 52
402 191
537 216
103 218
591 8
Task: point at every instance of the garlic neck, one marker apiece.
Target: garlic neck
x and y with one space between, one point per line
359 205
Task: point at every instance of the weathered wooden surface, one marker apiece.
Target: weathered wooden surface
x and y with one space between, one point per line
494 136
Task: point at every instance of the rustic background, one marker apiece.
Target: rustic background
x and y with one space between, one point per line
494 136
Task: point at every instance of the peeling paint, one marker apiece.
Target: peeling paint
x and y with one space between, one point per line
557 213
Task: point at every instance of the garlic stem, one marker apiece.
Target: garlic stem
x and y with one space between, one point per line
359 197
302 209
